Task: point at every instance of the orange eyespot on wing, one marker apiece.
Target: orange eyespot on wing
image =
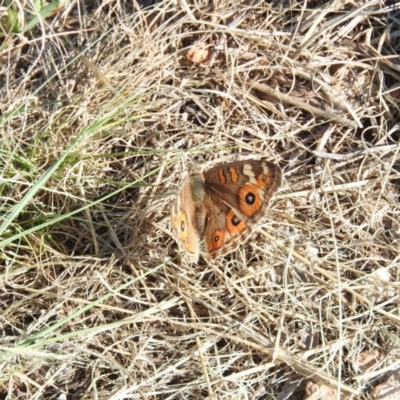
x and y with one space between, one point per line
263 180
217 240
181 227
234 224
250 200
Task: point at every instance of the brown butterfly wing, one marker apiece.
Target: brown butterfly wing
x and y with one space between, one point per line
237 196
188 215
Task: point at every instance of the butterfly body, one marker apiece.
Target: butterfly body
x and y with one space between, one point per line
222 205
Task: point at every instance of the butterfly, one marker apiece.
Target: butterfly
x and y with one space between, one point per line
222 205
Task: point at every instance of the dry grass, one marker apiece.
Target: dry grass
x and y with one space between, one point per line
102 111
